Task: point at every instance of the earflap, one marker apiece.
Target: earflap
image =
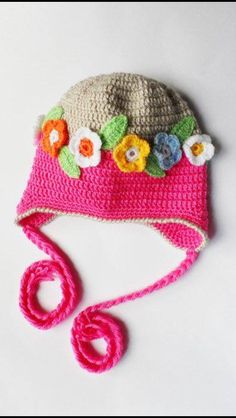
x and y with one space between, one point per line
182 233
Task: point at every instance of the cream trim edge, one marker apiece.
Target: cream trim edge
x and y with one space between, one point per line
147 221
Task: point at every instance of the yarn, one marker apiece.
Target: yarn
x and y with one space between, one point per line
104 192
46 270
68 164
174 204
55 135
92 324
184 128
167 150
54 114
89 326
76 147
199 149
153 168
131 142
113 131
149 105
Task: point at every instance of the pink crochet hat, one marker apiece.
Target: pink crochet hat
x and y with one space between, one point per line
116 147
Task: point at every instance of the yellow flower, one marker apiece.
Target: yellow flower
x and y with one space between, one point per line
131 154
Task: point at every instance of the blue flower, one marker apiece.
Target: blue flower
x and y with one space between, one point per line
167 150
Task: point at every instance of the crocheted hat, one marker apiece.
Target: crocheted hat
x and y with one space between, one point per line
117 147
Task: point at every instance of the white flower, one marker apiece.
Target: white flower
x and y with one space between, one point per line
198 149
86 147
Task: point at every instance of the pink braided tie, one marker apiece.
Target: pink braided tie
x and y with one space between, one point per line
92 324
46 270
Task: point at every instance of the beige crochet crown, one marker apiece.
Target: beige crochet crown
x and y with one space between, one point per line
150 106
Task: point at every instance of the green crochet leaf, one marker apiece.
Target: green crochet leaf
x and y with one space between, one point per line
68 164
54 114
153 168
113 131
184 128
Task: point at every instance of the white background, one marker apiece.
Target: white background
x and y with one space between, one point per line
182 351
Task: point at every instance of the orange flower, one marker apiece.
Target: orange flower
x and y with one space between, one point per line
55 135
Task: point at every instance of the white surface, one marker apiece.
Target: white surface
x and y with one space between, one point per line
182 351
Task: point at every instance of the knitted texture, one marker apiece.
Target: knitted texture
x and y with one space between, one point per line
173 202
105 192
113 131
68 164
149 105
